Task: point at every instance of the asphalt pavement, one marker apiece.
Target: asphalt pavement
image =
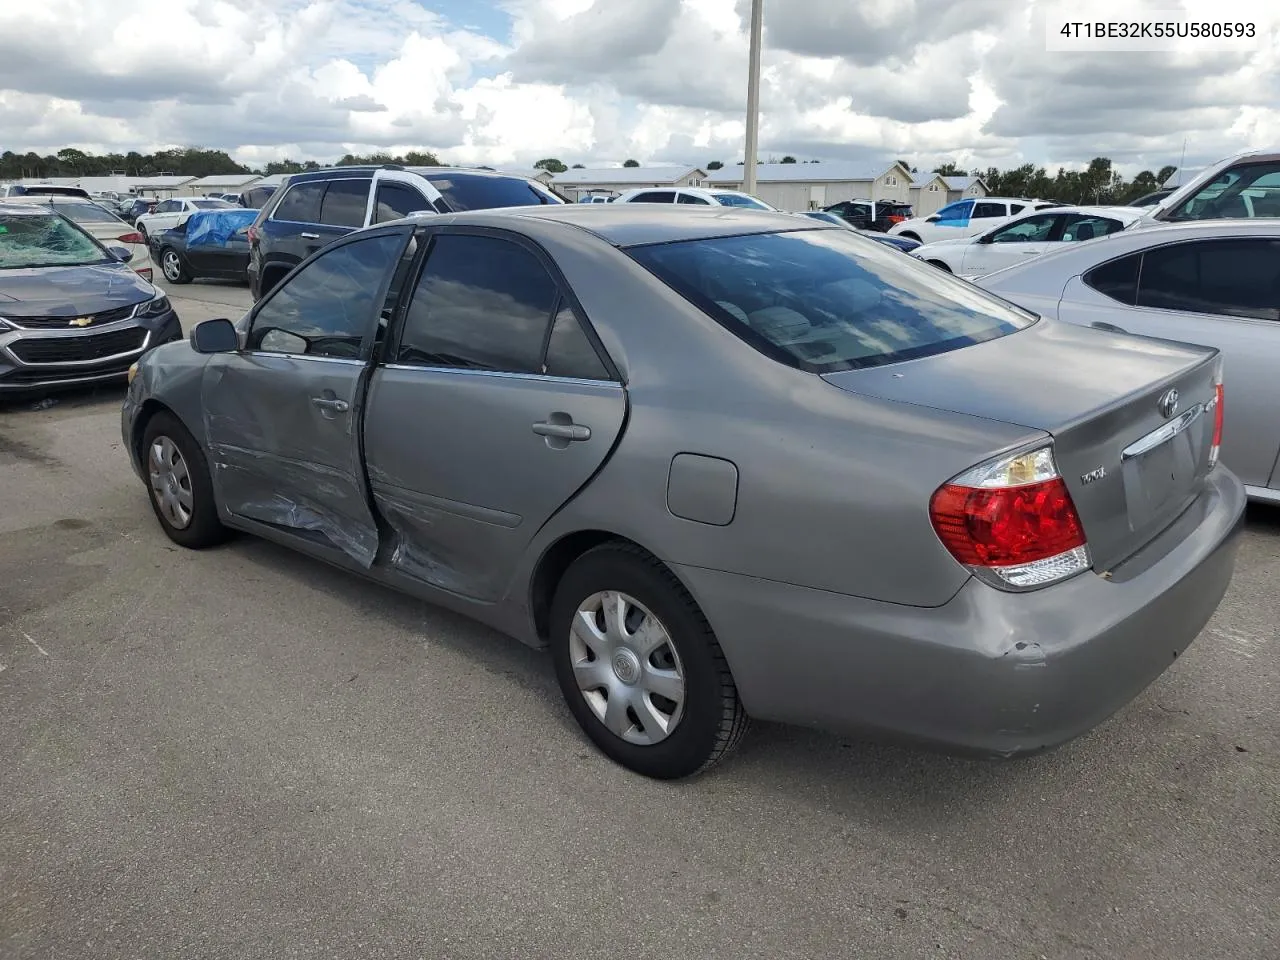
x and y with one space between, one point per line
243 753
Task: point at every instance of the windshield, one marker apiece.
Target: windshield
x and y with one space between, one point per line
824 301
738 200
85 212
45 241
466 191
211 204
1245 192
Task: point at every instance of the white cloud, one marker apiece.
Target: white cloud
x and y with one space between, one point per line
603 81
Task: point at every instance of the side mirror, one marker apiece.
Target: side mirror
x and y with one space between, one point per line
987 238
214 336
123 254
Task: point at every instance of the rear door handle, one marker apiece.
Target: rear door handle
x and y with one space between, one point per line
309 236
562 431
1099 325
331 403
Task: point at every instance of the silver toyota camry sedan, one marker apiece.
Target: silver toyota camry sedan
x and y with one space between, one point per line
724 464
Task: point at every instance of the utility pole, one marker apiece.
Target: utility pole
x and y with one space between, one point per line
753 99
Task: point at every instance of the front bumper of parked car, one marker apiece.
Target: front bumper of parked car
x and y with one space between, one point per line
989 673
47 356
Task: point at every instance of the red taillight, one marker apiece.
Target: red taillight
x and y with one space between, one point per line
1012 519
145 273
131 238
1219 409
896 218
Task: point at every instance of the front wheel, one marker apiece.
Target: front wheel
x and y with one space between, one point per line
639 666
171 265
178 483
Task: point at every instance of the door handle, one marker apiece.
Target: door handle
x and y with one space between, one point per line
331 403
1099 325
562 431
309 236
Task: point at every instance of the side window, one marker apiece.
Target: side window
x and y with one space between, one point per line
654 196
396 200
1117 279
301 204
344 203
1234 277
1016 208
481 303
983 209
569 352
327 308
1081 226
690 198
1234 194
1031 230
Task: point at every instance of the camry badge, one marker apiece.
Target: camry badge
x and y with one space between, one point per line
1168 404
81 321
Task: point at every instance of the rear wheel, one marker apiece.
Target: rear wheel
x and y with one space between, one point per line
178 483
173 267
939 264
639 666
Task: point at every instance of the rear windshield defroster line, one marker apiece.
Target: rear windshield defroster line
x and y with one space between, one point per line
817 300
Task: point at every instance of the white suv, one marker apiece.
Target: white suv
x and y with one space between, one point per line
1244 187
966 218
693 195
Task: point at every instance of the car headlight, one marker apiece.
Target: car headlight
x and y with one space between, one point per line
133 370
156 308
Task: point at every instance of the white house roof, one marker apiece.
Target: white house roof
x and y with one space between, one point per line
163 183
274 180
638 175
960 183
226 180
824 172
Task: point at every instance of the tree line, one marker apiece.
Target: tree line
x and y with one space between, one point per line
1096 184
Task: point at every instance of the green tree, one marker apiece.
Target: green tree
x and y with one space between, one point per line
788 159
1165 173
551 164
715 165
579 166
949 169
632 163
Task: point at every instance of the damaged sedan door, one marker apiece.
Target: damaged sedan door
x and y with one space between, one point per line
282 414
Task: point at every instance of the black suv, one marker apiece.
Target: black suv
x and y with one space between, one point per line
315 208
877 215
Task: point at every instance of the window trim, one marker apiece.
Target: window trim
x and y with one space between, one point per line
405 231
314 223
427 235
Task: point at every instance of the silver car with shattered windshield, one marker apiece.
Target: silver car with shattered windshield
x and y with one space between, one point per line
724 464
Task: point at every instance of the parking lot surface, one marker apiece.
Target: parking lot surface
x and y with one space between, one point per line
243 753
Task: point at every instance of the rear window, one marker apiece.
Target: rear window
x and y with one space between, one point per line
738 200
824 301
85 212
210 204
464 191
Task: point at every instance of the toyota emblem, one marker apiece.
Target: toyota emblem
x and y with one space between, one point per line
1168 404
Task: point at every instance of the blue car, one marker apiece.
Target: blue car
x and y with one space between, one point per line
71 311
898 243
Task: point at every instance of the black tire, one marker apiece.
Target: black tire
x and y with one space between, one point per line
204 528
908 235
939 264
182 274
713 720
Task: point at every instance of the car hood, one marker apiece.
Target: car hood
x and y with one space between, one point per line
63 291
950 244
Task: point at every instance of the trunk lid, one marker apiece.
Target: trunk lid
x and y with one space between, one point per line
1131 463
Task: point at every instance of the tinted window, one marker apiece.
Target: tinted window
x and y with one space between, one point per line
481 303
1030 230
1237 277
955 211
395 200
325 309
690 198
301 203
85 212
569 352
738 200
211 204
981 209
654 196
1117 279
823 300
1081 226
472 191
344 203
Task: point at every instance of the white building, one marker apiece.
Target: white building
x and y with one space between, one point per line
614 180
961 188
812 186
220 183
928 195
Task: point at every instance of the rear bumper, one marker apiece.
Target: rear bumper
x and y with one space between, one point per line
17 376
993 673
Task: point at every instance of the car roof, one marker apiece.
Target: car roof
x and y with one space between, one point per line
633 224
25 206
327 172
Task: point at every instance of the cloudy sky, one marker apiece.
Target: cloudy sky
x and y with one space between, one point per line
507 82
